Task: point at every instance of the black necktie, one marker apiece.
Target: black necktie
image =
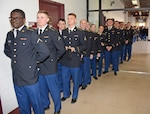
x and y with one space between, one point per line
40 31
16 33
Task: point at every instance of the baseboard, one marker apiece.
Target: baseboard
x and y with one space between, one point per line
15 111
1 112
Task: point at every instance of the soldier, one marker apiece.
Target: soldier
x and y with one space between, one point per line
128 42
85 66
101 49
25 50
74 43
112 44
123 34
61 26
94 48
48 69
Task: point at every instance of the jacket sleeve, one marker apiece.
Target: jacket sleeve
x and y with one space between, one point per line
82 45
59 44
40 47
7 44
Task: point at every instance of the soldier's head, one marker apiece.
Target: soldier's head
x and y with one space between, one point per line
128 25
110 22
93 28
116 24
42 18
61 24
100 29
17 18
121 25
83 24
88 26
72 19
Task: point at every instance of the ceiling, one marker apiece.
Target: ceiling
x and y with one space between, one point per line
139 13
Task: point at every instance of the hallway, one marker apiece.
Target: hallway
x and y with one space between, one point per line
126 93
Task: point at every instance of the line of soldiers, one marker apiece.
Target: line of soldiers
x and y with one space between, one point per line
45 60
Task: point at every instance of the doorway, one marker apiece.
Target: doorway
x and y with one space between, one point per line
55 10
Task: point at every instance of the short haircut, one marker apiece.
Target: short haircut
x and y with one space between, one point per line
43 11
73 14
110 19
61 19
19 11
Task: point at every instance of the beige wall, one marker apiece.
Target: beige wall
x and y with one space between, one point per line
30 7
74 6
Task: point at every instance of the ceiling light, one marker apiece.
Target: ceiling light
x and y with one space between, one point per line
134 2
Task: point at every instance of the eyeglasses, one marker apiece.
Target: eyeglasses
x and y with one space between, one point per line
15 18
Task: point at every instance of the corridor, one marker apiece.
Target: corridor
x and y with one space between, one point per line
126 93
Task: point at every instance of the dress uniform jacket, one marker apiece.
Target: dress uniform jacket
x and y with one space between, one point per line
94 44
112 38
25 51
129 36
122 36
101 39
56 50
75 39
87 52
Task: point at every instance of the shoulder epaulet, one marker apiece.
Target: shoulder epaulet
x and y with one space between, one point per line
31 29
53 28
11 30
80 29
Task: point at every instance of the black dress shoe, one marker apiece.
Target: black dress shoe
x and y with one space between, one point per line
63 99
115 73
89 83
47 108
95 78
84 87
105 72
99 75
80 85
73 101
57 112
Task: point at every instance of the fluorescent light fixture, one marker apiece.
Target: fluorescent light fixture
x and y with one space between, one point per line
134 2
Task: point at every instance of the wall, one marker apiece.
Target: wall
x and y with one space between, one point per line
117 15
6 86
30 7
76 6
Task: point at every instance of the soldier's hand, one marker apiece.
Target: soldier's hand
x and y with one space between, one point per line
81 56
102 44
72 49
98 55
126 41
108 48
66 47
91 56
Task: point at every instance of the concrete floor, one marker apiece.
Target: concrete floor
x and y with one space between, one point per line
126 93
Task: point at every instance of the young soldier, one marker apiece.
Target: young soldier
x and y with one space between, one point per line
25 50
48 68
112 44
61 26
128 42
85 66
101 49
74 43
94 48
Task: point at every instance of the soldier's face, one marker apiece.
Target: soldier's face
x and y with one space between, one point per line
71 20
101 29
16 20
83 24
93 28
42 19
109 23
61 25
